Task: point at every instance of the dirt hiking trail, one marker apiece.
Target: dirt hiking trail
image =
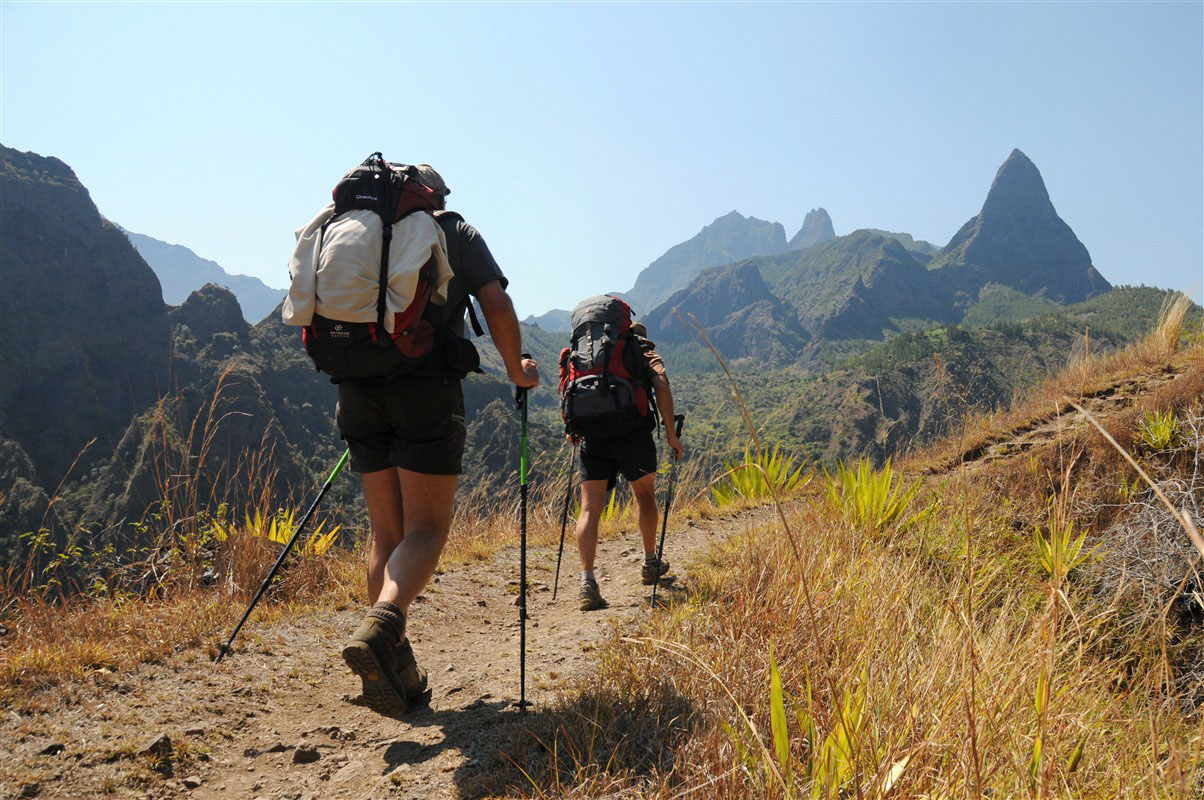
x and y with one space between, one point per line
279 718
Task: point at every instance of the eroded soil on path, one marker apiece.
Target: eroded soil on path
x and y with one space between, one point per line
279 718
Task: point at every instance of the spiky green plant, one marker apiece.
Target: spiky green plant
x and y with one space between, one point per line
753 476
279 528
1062 552
1158 431
872 498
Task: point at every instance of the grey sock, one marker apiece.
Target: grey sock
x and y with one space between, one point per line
587 575
650 558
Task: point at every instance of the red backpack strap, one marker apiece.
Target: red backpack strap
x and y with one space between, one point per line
565 370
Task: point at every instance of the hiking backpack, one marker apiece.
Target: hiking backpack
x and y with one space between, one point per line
603 377
379 242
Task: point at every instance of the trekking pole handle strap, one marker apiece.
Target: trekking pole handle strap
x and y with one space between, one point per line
678 420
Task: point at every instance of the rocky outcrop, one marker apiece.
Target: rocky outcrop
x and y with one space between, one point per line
1019 241
84 335
730 238
817 228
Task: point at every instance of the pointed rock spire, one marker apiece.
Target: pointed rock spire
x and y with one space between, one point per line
1019 240
817 227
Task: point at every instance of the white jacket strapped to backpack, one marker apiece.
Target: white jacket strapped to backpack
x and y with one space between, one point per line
343 280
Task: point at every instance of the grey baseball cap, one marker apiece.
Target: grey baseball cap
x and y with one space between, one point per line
429 177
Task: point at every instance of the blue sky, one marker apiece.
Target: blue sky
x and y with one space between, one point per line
584 140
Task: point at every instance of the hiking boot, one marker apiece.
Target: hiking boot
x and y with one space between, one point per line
653 570
591 598
371 654
412 677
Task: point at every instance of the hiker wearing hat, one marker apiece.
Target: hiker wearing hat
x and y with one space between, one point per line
406 438
613 383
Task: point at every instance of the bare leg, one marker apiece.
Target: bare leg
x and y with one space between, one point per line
428 518
382 494
593 495
644 490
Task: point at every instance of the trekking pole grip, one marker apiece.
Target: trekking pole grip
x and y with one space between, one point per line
520 392
679 420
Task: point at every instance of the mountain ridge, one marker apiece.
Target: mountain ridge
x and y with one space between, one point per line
181 272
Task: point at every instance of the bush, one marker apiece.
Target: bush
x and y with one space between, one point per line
756 474
870 498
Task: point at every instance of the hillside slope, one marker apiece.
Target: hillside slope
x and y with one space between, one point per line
280 718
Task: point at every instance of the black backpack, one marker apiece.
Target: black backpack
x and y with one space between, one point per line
604 380
366 349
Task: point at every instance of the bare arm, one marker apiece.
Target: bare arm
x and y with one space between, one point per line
503 329
664 403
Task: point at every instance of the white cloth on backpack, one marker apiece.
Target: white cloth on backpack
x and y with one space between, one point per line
343 280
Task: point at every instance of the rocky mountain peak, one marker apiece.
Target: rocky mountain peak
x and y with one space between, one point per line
1018 240
817 227
1018 189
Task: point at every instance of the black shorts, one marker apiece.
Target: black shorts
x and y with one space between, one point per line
632 455
415 422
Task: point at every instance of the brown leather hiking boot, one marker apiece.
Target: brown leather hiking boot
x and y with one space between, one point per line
591 598
652 570
371 655
413 677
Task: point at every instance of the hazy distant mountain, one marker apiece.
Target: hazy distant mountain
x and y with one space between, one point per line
817 228
1019 241
729 238
181 272
555 320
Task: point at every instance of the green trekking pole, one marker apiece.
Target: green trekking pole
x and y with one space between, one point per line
520 398
678 420
263 587
564 518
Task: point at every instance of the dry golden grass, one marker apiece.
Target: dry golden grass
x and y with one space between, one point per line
950 646
941 661
53 645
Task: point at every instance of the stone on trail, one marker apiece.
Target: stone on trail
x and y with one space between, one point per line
157 746
306 755
192 782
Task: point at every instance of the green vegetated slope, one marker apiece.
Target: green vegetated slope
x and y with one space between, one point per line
908 390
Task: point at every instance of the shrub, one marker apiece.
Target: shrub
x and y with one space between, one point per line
753 477
874 499
1158 431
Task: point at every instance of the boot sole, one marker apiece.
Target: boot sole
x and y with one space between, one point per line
380 693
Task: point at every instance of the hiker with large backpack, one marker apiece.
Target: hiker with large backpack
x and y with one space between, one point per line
612 386
381 280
